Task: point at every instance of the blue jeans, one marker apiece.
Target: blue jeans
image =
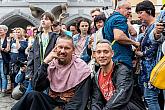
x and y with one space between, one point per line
3 77
151 97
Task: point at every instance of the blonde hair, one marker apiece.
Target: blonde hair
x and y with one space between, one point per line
22 31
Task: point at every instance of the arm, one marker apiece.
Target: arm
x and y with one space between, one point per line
80 99
98 102
158 30
41 81
19 77
131 29
22 45
122 38
124 88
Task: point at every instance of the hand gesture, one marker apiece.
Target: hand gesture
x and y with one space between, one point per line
51 56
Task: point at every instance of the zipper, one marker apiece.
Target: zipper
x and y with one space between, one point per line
118 95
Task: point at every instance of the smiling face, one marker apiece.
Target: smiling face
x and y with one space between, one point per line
65 50
104 54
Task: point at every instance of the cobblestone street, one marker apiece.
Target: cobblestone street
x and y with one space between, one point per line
6 103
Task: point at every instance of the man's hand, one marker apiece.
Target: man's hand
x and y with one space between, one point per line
136 44
51 56
139 53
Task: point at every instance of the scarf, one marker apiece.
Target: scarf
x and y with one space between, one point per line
63 78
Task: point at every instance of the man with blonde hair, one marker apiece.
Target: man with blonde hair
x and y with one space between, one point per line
112 88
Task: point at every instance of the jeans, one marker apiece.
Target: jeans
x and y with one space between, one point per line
151 97
3 77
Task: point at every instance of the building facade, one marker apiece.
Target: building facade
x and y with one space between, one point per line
20 13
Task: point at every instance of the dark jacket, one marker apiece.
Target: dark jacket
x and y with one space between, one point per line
5 55
34 59
123 98
82 90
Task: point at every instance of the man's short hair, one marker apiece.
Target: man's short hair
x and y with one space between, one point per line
105 41
146 6
96 9
64 36
121 3
4 27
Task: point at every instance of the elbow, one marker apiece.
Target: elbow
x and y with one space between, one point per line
133 34
117 38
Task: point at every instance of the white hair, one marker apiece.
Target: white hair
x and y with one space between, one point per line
4 27
121 3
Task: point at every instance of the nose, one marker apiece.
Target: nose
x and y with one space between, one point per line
101 54
138 15
62 50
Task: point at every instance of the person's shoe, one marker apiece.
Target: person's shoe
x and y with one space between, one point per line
2 94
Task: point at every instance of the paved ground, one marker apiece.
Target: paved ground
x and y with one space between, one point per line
6 103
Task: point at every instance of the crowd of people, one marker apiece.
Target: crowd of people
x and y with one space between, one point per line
99 65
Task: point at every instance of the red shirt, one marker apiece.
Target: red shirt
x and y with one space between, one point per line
106 85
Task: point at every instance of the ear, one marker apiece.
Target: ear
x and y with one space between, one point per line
112 53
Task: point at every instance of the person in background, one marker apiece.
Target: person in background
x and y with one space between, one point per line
93 14
95 37
43 44
158 35
56 27
116 31
73 29
17 51
70 93
4 59
147 53
82 39
131 29
30 34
